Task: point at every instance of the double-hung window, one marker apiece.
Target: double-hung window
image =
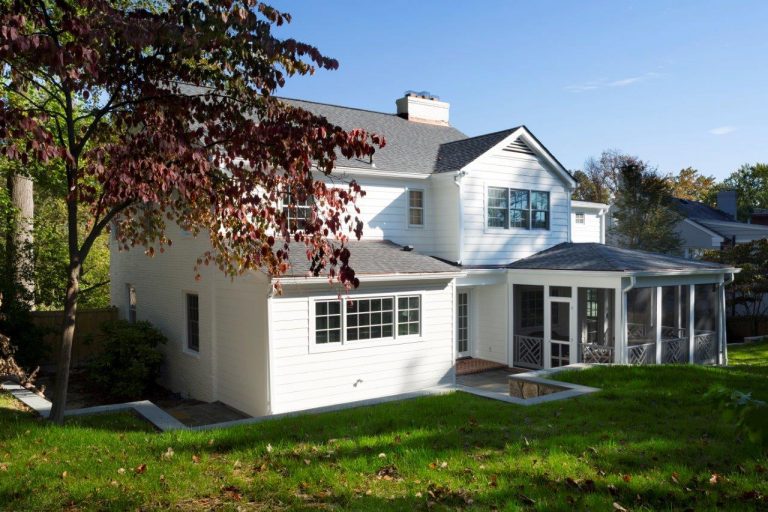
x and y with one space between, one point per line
415 208
513 208
297 212
346 322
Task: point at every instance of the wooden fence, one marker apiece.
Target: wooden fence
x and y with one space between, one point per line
87 332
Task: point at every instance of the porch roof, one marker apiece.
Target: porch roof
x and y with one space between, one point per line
373 257
603 258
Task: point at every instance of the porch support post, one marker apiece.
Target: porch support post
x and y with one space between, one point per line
722 353
622 333
547 363
691 323
678 309
657 322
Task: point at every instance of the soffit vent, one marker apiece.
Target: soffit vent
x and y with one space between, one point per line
518 146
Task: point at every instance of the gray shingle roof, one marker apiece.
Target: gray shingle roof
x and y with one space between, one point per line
452 156
599 257
696 210
373 257
411 147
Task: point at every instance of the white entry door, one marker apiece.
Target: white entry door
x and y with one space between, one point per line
559 328
462 324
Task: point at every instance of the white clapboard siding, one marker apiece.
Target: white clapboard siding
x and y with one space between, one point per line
590 231
384 211
483 246
302 379
445 211
491 312
231 363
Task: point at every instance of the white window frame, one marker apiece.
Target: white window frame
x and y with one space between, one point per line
131 303
515 229
185 342
409 208
292 215
344 344
580 215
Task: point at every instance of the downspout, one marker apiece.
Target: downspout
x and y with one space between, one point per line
270 355
457 181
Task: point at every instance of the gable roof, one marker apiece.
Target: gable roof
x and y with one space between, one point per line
373 257
411 147
697 210
452 156
414 147
603 258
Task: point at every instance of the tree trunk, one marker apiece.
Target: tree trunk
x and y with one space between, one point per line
19 261
65 351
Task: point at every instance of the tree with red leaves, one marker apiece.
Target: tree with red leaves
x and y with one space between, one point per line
164 112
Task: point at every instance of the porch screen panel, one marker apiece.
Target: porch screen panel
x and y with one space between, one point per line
529 326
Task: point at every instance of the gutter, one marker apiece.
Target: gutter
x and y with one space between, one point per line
374 278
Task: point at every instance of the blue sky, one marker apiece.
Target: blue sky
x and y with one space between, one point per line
677 83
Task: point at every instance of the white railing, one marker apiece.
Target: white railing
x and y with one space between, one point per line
596 354
641 353
705 347
529 351
674 350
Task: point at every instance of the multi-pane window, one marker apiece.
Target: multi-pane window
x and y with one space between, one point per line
297 212
367 319
193 323
580 218
328 321
415 207
511 208
463 322
408 315
131 303
498 207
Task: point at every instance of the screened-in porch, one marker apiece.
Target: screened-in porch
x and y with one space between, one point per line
652 309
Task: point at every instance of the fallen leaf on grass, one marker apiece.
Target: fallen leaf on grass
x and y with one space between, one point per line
168 455
64 475
627 478
618 508
675 477
195 459
140 469
388 472
525 499
232 492
121 471
715 479
3 467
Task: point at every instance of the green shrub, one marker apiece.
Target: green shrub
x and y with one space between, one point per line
129 361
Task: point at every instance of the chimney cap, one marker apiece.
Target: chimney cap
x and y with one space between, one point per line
422 94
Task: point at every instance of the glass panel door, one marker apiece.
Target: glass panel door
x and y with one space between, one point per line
462 324
560 324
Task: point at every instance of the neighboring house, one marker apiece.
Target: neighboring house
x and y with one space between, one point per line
705 228
467 252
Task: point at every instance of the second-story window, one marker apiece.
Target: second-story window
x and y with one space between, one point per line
297 212
512 208
416 208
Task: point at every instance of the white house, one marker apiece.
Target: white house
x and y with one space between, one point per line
468 251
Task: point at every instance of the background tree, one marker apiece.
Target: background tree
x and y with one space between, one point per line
599 180
751 185
690 184
642 216
750 286
167 115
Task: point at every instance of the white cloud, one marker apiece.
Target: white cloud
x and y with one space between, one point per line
722 130
604 84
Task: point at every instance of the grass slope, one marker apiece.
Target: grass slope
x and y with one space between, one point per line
648 441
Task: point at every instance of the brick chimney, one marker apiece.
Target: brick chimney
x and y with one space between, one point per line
726 201
423 107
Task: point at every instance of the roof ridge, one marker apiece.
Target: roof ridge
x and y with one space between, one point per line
389 114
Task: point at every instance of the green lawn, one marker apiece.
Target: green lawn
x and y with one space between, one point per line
648 441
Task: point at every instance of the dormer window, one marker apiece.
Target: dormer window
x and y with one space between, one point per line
513 208
415 208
